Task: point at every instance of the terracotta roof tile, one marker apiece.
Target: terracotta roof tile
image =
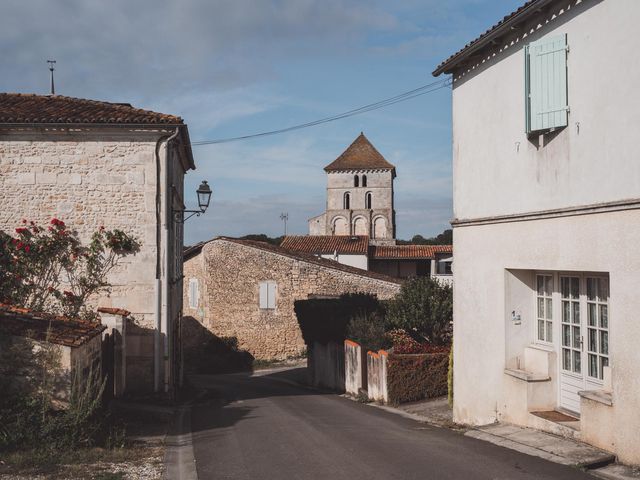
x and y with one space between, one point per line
360 155
21 108
327 244
523 12
408 252
43 327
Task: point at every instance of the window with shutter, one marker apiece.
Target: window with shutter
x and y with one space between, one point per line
268 295
193 293
546 102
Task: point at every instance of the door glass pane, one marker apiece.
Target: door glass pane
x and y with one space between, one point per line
564 287
576 312
604 342
540 285
548 309
540 307
593 366
565 312
549 332
604 362
566 359
604 316
575 287
591 288
548 285
591 314
566 336
593 340
603 290
576 362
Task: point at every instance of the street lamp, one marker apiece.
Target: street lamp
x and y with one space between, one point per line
204 197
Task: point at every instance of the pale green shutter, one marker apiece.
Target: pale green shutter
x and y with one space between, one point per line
546 84
264 303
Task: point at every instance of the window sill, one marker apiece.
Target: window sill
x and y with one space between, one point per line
599 396
545 347
526 376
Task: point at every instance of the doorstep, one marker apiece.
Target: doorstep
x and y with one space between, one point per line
551 447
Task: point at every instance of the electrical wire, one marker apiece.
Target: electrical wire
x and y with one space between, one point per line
402 97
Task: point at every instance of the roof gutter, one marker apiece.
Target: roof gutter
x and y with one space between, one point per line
483 41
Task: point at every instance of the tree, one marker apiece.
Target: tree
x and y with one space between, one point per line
444 238
49 270
424 308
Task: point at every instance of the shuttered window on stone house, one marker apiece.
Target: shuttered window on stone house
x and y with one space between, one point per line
546 97
268 295
193 293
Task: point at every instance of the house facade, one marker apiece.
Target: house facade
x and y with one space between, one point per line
95 164
247 289
545 114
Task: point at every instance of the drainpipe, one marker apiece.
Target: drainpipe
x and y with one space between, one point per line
161 348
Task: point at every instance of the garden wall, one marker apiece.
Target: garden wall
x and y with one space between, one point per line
326 366
355 367
415 377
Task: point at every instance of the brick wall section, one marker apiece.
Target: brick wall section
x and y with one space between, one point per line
229 275
88 183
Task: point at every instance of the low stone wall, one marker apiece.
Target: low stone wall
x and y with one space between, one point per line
326 366
377 376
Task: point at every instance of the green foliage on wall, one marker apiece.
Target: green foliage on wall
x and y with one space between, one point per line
415 377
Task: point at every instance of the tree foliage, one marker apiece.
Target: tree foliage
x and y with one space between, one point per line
49 270
444 238
424 308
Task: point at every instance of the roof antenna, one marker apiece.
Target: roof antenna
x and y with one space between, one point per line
51 69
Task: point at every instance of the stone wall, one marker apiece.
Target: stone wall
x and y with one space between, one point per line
229 276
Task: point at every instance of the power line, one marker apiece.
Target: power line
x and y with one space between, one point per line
403 97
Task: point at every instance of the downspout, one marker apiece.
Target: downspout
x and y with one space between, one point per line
161 313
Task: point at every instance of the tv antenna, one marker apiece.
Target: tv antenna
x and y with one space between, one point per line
284 216
51 69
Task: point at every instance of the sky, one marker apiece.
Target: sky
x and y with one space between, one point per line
238 67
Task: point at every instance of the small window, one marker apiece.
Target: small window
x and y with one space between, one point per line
444 268
364 180
544 308
193 293
268 295
356 181
347 201
545 69
368 200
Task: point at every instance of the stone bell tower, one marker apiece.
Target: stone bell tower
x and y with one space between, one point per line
359 195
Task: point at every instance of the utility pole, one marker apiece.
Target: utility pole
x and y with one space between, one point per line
284 216
51 69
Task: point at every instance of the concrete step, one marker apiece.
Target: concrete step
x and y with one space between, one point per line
551 447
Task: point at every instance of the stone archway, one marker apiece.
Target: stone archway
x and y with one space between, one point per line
340 226
360 226
380 228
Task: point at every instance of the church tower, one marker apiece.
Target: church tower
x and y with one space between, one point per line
359 195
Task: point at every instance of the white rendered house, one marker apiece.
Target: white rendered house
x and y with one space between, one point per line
546 113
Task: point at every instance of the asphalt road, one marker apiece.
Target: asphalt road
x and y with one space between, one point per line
259 427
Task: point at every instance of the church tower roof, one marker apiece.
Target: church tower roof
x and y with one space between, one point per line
360 155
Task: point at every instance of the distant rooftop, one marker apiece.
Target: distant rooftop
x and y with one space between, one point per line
360 155
327 244
22 108
408 252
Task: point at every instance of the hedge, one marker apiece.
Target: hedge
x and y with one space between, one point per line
415 377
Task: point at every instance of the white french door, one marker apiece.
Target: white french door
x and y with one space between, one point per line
583 345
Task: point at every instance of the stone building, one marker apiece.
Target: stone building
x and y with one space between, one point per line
247 289
359 195
94 163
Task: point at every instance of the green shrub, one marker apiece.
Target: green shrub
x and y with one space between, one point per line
369 330
424 308
415 377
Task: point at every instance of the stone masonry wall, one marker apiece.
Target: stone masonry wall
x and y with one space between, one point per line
229 276
88 182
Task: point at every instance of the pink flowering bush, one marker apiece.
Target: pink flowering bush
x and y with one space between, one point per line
48 269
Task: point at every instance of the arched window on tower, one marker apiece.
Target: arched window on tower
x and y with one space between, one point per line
347 201
364 180
367 200
356 181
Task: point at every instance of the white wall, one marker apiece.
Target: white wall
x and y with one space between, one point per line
358 261
499 171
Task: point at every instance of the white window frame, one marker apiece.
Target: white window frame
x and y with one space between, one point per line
194 293
547 315
267 295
